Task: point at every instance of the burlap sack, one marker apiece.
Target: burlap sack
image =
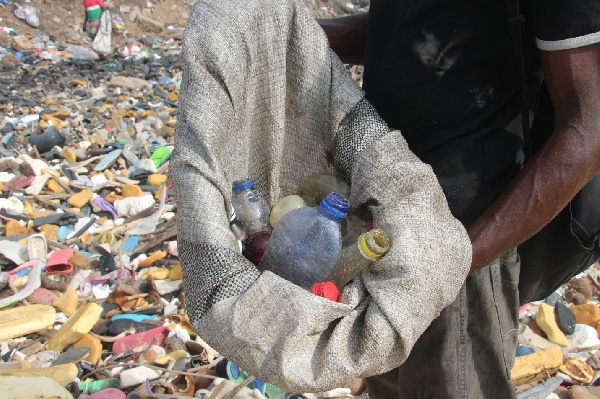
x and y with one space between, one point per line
264 97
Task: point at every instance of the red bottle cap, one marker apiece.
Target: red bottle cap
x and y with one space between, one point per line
327 290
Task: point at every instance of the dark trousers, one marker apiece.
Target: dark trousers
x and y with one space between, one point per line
469 350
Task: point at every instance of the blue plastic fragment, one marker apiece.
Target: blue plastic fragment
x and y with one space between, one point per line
523 351
25 272
64 231
131 242
138 318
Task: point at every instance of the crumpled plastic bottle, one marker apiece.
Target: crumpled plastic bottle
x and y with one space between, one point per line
306 243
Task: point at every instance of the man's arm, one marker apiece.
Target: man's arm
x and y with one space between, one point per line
347 37
568 160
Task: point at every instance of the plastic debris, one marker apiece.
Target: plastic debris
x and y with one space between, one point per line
91 287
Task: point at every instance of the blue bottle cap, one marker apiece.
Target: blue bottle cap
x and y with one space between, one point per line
336 204
242 184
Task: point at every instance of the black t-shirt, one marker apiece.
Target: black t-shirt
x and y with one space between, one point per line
445 73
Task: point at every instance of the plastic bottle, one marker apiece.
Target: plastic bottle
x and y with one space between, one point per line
368 248
307 242
283 206
254 247
250 207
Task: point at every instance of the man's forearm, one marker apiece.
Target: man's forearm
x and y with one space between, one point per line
347 37
569 159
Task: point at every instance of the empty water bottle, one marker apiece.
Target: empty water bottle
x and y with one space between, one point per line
306 243
250 207
370 246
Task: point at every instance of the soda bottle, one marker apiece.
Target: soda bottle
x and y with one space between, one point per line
250 207
353 259
306 242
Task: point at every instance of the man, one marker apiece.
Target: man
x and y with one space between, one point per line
446 74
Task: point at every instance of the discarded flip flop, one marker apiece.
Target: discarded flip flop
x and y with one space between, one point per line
70 173
7 214
140 175
60 219
58 263
64 232
37 248
106 206
25 268
108 160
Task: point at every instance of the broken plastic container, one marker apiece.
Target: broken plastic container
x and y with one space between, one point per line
353 259
46 141
306 243
250 207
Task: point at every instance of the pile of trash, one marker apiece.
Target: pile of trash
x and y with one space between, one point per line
559 342
91 299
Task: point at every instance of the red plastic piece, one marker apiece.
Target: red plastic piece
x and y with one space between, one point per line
58 263
26 265
108 393
23 182
327 290
42 296
136 340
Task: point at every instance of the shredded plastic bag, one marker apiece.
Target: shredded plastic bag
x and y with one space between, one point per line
103 41
81 53
20 12
31 18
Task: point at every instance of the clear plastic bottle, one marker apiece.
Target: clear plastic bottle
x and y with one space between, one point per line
250 207
306 243
370 246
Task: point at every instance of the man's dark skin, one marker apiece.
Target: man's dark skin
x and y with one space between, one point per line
566 162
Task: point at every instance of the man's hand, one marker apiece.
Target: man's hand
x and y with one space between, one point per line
347 37
567 161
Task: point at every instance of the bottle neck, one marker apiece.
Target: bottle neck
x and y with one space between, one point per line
374 244
245 184
334 207
329 215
